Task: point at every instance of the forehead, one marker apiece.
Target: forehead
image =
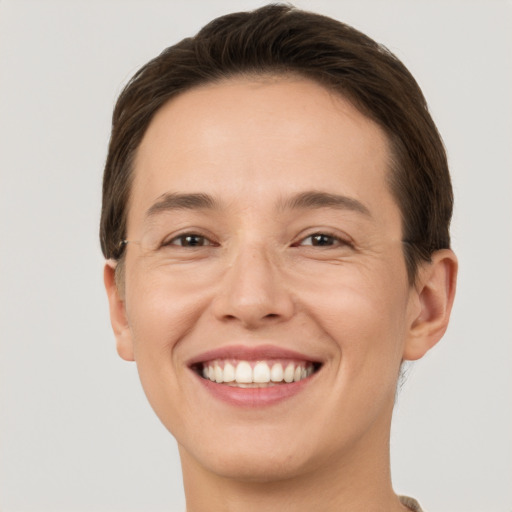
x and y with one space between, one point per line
243 139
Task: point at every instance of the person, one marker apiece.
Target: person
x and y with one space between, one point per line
275 219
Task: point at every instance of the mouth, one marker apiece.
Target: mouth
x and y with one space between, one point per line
254 376
256 373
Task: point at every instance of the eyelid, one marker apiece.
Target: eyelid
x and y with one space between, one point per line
168 240
341 239
344 240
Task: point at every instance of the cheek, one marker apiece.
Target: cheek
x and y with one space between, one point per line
368 330
365 315
159 314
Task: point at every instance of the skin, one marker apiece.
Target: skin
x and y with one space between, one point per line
252 144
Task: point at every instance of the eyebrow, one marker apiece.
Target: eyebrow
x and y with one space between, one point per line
305 200
316 199
173 201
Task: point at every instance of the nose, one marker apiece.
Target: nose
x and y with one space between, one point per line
253 291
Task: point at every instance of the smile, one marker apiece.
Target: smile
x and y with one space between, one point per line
252 374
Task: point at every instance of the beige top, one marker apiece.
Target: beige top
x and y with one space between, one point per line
410 503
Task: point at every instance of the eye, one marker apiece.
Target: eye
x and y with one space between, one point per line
323 240
189 240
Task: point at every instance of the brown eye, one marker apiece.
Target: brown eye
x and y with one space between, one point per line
322 240
189 240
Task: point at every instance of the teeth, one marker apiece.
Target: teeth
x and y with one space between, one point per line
243 372
219 377
276 374
229 372
288 373
259 374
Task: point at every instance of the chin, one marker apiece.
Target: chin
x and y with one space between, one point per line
257 467
255 456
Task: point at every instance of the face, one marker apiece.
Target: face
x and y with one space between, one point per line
266 246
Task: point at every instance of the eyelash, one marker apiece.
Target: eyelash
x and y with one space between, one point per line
334 241
183 236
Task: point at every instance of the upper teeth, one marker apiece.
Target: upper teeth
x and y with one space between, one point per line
260 372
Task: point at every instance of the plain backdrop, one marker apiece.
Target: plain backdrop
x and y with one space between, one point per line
76 433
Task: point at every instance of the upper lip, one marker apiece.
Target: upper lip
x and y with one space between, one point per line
250 353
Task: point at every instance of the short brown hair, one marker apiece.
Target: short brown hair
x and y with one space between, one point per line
280 39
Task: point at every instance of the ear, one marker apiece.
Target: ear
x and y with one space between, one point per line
118 317
434 292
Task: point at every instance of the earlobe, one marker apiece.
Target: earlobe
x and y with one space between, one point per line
118 317
435 291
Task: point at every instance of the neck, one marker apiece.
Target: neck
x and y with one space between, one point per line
359 481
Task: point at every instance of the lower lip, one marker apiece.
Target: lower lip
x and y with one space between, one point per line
254 397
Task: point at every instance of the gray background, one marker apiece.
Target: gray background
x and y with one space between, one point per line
76 433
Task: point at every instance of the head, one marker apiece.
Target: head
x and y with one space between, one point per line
276 190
